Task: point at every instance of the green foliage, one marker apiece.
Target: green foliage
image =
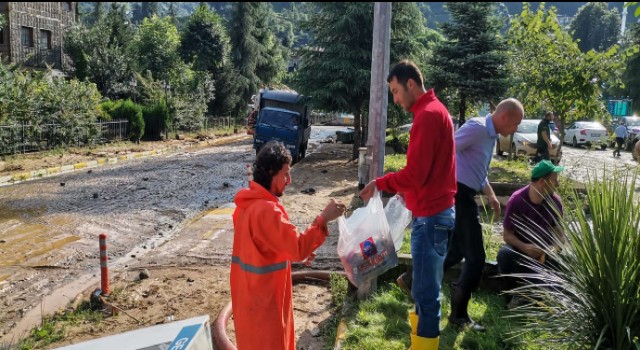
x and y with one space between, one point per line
335 68
632 74
156 48
471 62
204 41
550 72
255 54
100 53
156 120
339 287
590 299
126 109
36 98
595 26
394 162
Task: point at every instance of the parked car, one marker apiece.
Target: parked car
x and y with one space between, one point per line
633 128
525 139
586 133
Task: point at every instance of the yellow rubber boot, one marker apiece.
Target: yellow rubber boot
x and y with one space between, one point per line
413 321
420 343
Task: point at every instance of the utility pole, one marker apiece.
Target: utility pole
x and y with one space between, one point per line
378 102
623 26
378 98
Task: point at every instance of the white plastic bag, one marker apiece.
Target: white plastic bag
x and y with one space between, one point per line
365 246
398 218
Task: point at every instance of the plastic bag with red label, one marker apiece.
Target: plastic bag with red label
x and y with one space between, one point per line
365 246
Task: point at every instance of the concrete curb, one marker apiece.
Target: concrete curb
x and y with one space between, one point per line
52 171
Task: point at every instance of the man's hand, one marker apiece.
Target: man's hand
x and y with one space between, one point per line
534 252
367 191
307 262
495 205
333 210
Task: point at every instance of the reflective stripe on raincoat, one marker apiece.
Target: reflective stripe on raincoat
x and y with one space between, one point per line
264 244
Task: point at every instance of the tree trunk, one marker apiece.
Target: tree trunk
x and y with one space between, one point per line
365 131
463 109
356 133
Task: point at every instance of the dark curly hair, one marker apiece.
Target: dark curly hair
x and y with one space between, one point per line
405 70
269 161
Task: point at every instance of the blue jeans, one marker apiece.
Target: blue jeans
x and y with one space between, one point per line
429 241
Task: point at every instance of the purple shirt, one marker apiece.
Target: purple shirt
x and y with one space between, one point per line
526 218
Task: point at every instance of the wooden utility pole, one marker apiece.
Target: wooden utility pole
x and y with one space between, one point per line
378 97
378 103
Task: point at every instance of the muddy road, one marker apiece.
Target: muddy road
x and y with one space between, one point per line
165 211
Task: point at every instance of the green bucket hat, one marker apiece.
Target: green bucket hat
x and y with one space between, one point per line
545 168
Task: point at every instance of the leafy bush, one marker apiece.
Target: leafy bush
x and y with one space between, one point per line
131 112
591 299
156 119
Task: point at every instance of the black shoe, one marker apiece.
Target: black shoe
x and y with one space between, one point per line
467 322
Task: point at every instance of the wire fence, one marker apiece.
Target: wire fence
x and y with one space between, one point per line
26 137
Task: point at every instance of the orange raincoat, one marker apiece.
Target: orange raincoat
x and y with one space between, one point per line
264 242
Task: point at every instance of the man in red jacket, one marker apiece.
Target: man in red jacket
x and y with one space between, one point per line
428 183
264 243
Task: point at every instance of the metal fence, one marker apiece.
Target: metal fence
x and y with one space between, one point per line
25 137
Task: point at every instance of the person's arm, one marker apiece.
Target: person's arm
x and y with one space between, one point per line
528 249
491 197
279 235
545 137
425 139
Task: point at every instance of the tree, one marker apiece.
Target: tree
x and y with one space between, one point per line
471 62
100 54
549 68
142 10
156 48
335 69
595 26
254 52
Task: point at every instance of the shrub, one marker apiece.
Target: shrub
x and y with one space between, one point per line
156 119
131 112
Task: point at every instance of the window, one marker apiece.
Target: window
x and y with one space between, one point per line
1 36
45 39
27 36
66 6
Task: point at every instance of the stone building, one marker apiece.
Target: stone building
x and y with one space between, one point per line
32 34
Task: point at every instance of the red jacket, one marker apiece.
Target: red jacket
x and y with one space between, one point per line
428 181
264 243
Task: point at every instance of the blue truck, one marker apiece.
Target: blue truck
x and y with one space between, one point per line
283 116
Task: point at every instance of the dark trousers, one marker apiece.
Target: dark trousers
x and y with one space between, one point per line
542 154
466 241
512 262
620 142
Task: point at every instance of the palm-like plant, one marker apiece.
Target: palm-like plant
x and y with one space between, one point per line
590 299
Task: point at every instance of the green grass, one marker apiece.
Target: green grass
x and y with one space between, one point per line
381 322
512 171
53 328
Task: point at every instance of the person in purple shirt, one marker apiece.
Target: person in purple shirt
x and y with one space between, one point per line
475 141
531 222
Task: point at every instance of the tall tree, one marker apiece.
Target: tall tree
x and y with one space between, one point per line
335 69
205 44
100 53
595 26
254 53
549 68
156 48
471 62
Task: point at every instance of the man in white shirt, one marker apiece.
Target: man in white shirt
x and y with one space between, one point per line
621 134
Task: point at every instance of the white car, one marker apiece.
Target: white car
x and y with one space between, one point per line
525 139
586 133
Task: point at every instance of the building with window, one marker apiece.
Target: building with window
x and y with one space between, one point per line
33 32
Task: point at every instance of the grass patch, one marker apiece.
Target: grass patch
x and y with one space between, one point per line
53 328
381 322
511 171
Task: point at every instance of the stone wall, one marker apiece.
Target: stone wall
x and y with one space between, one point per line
54 17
